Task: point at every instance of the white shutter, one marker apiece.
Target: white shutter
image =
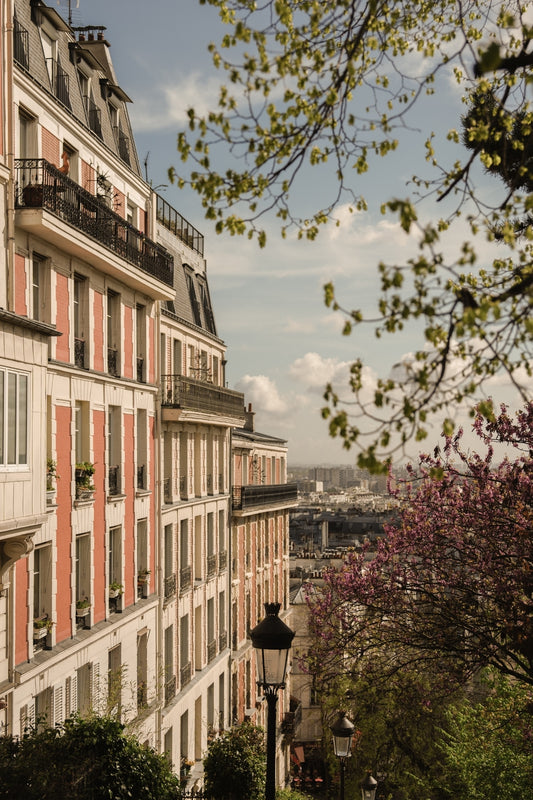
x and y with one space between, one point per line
27 717
71 695
56 703
96 693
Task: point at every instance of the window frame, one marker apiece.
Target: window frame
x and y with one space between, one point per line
10 425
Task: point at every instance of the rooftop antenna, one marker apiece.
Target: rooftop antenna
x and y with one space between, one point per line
70 10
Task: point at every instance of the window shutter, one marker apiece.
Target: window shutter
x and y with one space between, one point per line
27 717
57 705
71 695
96 695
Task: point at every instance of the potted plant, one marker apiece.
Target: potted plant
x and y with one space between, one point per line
83 607
143 576
115 589
84 484
41 627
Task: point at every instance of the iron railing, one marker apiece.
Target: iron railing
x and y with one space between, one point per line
140 369
185 578
170 689
112 361
221 483
222 559
180 392
211 650
93 116
179 226
59 81
141 476
244 497
183 487
79 353
41 185
222 641
113 479
169 586
211 564
185 674
167 497
21 51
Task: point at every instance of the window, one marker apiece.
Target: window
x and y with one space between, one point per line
184 648
14 409
40 307
70 158
81 431
114 450
169 561
170 678
184 543
142 455
42 581
81 321
140 321
211 643
115 555
206 305
113 333
195 306
142 669
84 681
176 356
83 567
114 681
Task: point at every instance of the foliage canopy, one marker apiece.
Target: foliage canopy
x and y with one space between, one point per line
235 764
327 87
449 590
89 759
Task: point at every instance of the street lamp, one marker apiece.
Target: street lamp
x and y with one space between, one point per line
342 732
368 787
272 640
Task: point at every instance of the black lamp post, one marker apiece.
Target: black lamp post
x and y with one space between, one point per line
368 787
272 640
342 732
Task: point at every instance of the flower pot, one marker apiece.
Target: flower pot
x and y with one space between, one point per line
114 593
82 612
33 195
39 633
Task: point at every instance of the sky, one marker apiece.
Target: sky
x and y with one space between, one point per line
283 344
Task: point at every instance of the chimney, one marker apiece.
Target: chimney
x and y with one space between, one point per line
249 418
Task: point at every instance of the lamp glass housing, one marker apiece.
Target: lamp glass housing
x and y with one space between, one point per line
342 747
271 666
368 788
342 731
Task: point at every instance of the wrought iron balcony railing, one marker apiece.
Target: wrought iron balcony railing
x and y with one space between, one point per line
114 480
79 353
59 81
179 226
185 674
41 185
211 650
21 49
185 578
93 115
212 564
178 391
141 476
169 584
246 497
140 369
222 641
222 559
170 689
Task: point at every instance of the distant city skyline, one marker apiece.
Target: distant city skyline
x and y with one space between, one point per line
283 344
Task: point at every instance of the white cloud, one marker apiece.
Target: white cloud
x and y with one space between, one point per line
314 371
262 393
166 106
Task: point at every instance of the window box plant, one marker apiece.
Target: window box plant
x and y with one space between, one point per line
143 576
42 627
115 589
83 607
84 483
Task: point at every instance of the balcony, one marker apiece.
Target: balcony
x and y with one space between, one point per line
222 559
179 226
211 564
170 689
189 394
40 185
79 353
169 586
211 650
59 81
114 480
245 498
185 578
21 51
185 674
222 641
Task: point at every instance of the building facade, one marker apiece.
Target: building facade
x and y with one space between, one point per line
261 499
134 555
